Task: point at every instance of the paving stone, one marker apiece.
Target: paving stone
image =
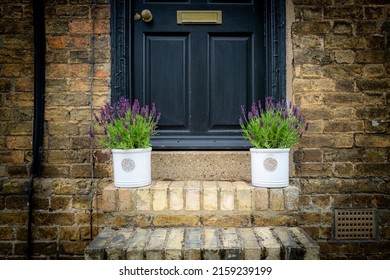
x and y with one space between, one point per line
207 243
116 248
173 249
212 244
155 248
253 249
311 248
96 249
231 244
291 249
135 249
269 242
192 244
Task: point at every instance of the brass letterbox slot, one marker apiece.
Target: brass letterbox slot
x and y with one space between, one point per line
199 17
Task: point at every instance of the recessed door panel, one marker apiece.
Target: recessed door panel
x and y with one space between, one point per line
166 77
230 77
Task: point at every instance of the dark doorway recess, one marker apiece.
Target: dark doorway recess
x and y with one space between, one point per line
198 60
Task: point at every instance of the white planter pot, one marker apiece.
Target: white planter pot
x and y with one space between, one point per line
132 168
270 167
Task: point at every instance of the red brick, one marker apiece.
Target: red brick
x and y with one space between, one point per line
57 42
80 27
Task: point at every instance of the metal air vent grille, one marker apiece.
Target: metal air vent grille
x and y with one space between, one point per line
355 224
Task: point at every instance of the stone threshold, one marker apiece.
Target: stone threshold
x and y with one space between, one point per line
208 165
203 243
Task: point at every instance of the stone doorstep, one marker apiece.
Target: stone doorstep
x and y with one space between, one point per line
190 196
203 243
209 165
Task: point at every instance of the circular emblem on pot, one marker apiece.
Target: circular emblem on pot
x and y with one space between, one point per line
270 164
128 164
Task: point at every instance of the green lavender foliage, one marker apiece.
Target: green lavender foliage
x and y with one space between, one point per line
278 126
127 126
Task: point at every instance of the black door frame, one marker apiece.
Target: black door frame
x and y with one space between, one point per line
121 48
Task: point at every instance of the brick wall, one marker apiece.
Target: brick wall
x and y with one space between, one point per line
340 79
62 196
16 111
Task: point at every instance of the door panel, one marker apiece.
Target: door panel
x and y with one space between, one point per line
230 82
199 74
166 70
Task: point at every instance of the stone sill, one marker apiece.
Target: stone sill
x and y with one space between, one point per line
208 165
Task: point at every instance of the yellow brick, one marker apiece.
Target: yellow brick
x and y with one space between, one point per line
109 199
176 198
210 196
143 199
160 191
276 199
260 199
193 196
176 220
227 196
125 202
243 196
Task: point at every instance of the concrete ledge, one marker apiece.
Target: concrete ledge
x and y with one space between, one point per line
208 165
203 243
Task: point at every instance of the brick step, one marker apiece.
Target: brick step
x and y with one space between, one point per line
199 203
203 243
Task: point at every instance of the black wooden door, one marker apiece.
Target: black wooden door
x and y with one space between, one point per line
197 73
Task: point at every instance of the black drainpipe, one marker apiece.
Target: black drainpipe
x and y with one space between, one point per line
39 107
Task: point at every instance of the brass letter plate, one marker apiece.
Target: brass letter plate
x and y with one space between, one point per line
199 17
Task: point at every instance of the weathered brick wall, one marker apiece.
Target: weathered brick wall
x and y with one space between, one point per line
341 79
16 111
62 196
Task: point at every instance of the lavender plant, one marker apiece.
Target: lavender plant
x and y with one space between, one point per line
277 126
127 126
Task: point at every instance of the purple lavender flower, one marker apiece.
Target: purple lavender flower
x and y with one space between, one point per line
158 117
255 111
306 126
153 111
243 110
260 107
241 122
119 118
261 122
250 115
135 108
284 114
295 111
